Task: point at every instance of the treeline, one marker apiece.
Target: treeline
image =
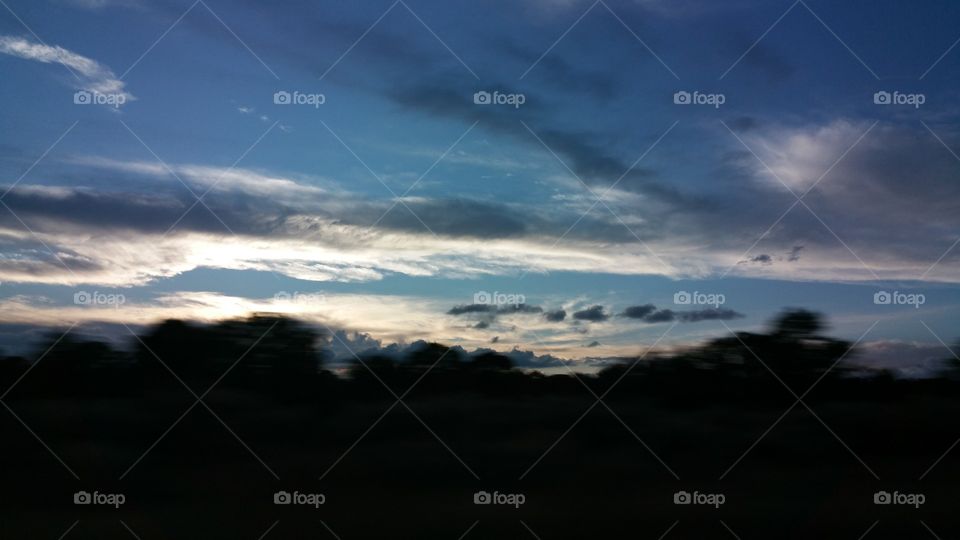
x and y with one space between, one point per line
291 361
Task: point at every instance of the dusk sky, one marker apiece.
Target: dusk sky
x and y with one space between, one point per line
386 167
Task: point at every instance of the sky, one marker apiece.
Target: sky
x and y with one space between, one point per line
573 179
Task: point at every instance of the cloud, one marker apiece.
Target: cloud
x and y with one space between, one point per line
592 314
472 308
649 313
763 258
795 253
659 316
305 227
638 312
490 311
581 150
313 228
555 316
98 237
94 77
881 201
709 314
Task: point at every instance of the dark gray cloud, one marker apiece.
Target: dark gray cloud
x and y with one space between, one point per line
649 313
638 312
763 258
555 315
28 256
709 314
795 253
583 151
252 214
593 344
132 211
519 308
592 314
472 308
488 313
659 316
458 217
766 259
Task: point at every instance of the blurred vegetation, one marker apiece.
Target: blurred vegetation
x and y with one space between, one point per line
288 359
595 470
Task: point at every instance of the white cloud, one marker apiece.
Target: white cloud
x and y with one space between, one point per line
203 177
799 156
313 229
94 77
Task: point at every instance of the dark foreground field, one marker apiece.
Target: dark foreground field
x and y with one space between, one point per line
693 424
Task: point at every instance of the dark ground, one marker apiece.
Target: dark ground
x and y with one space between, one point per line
404 478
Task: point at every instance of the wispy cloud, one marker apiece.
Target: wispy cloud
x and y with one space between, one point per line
92 76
